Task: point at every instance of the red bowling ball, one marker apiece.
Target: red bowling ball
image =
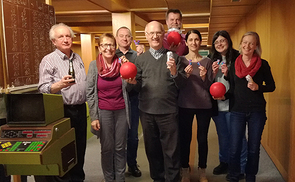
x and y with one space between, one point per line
217 89
173 37
128 70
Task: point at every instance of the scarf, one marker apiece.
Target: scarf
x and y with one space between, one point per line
241 69
103 69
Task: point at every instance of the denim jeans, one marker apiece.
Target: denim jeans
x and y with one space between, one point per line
238 123
222 123
132 142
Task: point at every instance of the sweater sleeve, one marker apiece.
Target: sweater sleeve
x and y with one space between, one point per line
137 86
209 75
230 78
91 91
269 83
180 79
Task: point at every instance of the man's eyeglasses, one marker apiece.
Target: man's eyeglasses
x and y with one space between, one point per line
105 46
154 33
220 41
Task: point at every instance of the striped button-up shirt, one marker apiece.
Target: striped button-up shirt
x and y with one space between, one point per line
54 67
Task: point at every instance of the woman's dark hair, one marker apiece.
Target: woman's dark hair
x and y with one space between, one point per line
193 31
230 51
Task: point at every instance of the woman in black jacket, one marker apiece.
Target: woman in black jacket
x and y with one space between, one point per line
250 77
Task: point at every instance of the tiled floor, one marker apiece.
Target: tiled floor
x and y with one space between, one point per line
267 171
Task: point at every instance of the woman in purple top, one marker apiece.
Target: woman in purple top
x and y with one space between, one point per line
194 99
108 108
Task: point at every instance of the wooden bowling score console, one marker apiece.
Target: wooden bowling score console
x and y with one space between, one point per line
26 149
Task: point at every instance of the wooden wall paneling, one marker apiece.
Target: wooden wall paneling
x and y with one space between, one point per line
2 58
77 49
230 10
88 52
276 130
251 21
222 26
2 68
261 26
238 32
233 19
280 105
25 27
272 22
289 26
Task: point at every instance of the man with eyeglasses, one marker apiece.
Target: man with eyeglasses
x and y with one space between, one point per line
124 40
54 79
158 81
174 20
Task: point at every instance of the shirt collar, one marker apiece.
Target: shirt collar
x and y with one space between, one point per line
63 56
157 53
119 51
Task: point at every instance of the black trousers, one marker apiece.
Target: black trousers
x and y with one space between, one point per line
162 145
77 114
186 117
3 177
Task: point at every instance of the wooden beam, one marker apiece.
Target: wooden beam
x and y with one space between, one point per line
112 5
124 19
139 21
88 52
49 2
92 29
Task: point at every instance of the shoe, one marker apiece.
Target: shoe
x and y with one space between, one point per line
222 168
202 175
134 171
241 176
185 175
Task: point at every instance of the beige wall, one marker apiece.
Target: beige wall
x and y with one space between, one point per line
274 21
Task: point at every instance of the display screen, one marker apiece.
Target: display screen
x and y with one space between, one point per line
25 109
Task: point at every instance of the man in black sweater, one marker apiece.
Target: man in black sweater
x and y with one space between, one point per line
158 81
